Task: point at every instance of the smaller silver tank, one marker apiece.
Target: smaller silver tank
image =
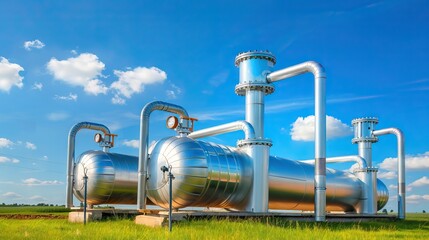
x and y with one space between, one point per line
111 178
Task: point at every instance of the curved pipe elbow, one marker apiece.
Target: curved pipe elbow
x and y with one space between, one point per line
162 106
310 66
244 126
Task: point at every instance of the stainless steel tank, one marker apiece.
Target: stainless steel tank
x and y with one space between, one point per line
212 175
112 178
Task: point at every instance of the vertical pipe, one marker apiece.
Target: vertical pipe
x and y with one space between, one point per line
170 200
254 66
144 141
85 182
319 125
71 154
401 166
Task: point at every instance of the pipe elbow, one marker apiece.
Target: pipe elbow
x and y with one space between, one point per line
247 128
316 68
162 106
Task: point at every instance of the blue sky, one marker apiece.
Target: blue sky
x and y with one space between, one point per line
63 62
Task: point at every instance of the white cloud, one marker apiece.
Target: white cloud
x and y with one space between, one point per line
133 81
9 75
5 143
37 86
387 175
35 181
303 128
118 100
70 97
30 146
28 45
173 92
392 186
8 160
11 195
57 116
82 71
45 158
416 198
132 143
412 162
420 182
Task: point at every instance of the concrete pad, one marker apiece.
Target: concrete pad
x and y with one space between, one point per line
151 221
77 217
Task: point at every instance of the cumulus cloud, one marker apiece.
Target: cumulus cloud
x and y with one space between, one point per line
57 116
70 97
131 143
28 45
133 81
303 128
82 71
37 86
173 92
11 195
387 175
35 181
118 100
30 146
5 143
420 182
416 198
9 75
8 160
414 162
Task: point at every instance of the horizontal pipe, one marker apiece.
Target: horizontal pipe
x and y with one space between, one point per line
246 127
319 125
144 139
71 154
352 158
401 166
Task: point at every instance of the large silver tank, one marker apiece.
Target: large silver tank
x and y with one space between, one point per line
211 175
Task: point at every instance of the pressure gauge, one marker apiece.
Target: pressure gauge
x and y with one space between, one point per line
172 122
98 138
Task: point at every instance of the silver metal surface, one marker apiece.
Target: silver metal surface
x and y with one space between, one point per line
206 174
320 126
247 128
71 154
112 178
401 166
254 66
352 158
212 175
144 139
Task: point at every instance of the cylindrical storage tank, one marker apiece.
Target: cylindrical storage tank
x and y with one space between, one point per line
292 187
112 178
211 175
205 174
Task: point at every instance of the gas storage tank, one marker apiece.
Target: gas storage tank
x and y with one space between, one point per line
212 175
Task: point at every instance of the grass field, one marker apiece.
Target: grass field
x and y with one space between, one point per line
415 227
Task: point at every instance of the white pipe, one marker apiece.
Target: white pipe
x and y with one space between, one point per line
352 158
246 127
71 154
401 166
144 140
319 125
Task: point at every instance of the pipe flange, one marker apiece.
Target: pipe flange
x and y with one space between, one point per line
368 169
365 119
266 55
241 88
365 139
255 141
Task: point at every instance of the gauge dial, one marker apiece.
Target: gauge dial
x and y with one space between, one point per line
98 138
172 122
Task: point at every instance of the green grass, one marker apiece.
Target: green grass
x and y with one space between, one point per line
33 210
415 227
